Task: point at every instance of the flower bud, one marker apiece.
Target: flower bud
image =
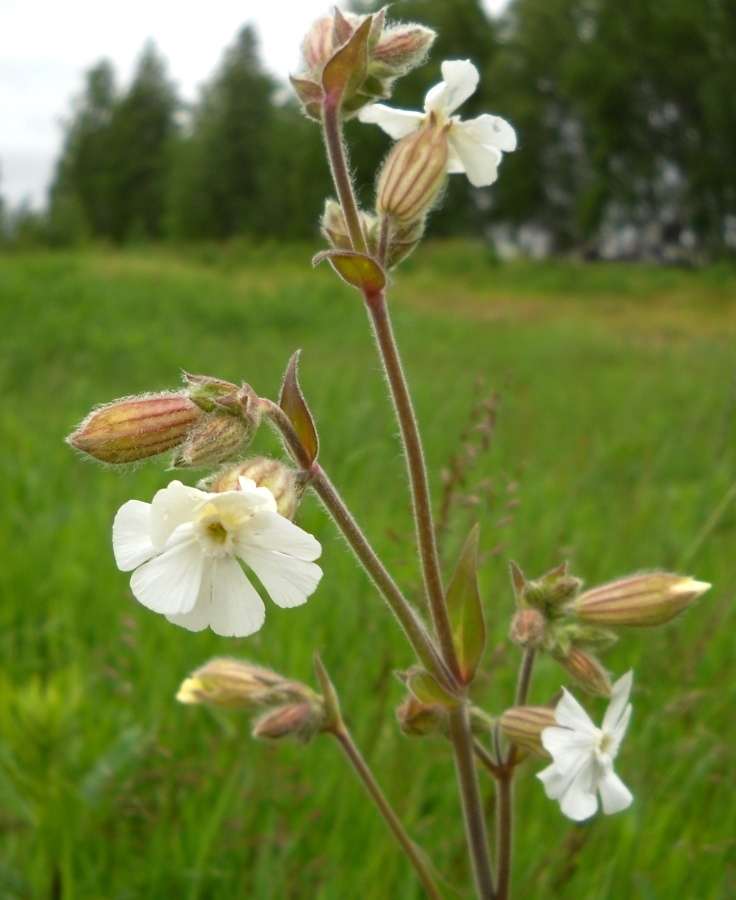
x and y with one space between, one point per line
523 725
417 719
527 628
136 428
231 684
414 174
639 600
284 483
402 48
211 394
585 669
301 721
384 54
216 438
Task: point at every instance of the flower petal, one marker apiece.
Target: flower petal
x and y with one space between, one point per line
171 507
171 582
479 162
270 531
227 602
615 796
395 122
567 747
131 542
237 610
289 581
570 714
460 79
492 131
617 707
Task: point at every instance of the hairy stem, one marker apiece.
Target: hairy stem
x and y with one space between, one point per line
415 856
475 826
332 129
426 540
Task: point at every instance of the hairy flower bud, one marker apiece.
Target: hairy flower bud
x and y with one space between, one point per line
136 428
368 54
216 438
523 725
284 483
527 628
232 684
301 721
417 719
413 175
639 600
585 669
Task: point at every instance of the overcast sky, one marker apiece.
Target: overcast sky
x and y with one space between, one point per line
46 46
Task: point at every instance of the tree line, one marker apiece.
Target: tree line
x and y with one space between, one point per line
624 111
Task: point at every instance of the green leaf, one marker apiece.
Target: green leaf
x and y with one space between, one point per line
295 406
359 270
466 610
329 694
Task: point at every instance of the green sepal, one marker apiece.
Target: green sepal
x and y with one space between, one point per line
467 620
295 406
426 688
346 69
359 270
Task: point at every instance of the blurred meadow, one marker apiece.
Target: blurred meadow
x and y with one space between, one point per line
613 446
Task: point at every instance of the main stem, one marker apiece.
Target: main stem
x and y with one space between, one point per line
389 816
461 736
378 311
341 175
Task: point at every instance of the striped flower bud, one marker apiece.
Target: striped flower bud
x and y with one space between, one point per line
585 669
136 428
414 175
523 725
232 684
639 600
301 721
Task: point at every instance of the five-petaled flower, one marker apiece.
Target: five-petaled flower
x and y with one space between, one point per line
583 755
183 547
474 147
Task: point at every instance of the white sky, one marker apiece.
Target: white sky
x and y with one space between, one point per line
46 46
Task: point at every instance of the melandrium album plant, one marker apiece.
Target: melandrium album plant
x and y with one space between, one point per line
192 548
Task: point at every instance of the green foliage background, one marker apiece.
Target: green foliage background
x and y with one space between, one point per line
616 433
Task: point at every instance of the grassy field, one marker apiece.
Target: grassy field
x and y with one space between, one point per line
614 447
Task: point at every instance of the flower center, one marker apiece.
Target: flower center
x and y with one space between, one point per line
214 533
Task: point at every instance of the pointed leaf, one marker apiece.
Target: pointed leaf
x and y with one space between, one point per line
359 270
295 406
345 71
519 582
464 605
329 694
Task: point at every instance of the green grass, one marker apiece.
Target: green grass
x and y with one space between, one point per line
616 432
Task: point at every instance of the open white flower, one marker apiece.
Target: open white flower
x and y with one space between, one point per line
583 755
184 545
474 147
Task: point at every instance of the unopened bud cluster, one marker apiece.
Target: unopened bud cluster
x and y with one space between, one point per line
361 53
292 708
206 423
555 617
400 239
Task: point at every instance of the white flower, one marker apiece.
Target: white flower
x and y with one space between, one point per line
583 755
184 545
474 147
